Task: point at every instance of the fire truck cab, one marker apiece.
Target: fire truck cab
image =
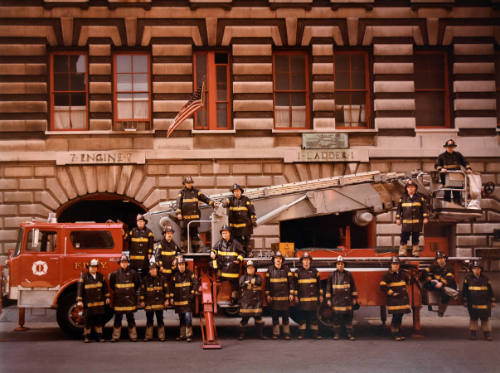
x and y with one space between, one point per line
44 268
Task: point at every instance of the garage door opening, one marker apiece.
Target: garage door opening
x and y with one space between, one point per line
99 208
328 232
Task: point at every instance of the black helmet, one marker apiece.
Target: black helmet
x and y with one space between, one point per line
278 254
395 259
440 254
476 264
236 186
305 256
188 180
250 263
168 229
451 143
180 259
225 227
340 259
124 258
141 217
411 182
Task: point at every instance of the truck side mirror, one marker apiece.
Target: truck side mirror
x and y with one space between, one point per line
36 238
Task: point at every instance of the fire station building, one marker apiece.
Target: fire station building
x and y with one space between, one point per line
294 90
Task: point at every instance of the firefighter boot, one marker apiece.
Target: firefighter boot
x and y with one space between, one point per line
132 333
161 333
402 250
242 333
395 333
260 327
117 330
336 332
86 335
182 333
415 250
302 331
486 328
442 309
350 336
315 330
98 330
286 332
473 326
189 333
276 331
149 333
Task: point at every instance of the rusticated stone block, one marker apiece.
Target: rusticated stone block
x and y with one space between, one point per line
486 228
170 182
184 169
11 197
464 228
388 229
6 209
267 230
473 241
385 241
157 169
259 181
47 199
247 168
18 171
45 171
31 184
8 235
14 222
228 181
6 184
273 168
37 209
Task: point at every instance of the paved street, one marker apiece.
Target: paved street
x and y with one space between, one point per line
444 348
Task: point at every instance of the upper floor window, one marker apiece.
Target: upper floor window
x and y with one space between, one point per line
352 89
291 90
68 91
432 103
132 91
212 68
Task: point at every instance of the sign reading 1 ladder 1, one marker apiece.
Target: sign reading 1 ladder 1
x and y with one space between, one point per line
333 155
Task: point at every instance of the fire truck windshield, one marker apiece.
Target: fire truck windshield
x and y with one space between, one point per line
19 242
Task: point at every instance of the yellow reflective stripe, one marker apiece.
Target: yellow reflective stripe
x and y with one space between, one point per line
124 286
480 306
183 303
383 283
449 165
166 271
155 307
250 310
230 275
400 283
280 279
241 208
93 286
344 286
227 253
140 239
346 308
410 221
131 308
354 293
242 225
95 304
189 200
309 299
307 281
137 257
79 298
240 258
168 253
182 284
478 288
406 306
191 216
410 204
279 298
450 274
154 288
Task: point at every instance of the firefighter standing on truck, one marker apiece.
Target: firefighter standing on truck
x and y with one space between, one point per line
450 160
125 283
141 244
92 294
189 210
393 284
309 296
154 298
241 215
227 255
342 296
183 290
440 278
478 298
251 300
167 251
412 214
280 294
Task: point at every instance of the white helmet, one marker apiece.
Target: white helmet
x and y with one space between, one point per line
94 263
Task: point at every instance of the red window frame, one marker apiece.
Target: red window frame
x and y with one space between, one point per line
350 90
53 91
445 89
210 92
134 122
306 90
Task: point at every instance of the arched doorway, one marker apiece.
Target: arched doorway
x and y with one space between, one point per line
100 207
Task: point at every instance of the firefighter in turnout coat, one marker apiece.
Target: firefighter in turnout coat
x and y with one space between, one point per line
478 298
154 298
280 294
227 255
342 296
189 210
92 294
393 285
309 296
412 214
125 283
450 160
141 244
183 289
250 301
439 278
167 251
241 214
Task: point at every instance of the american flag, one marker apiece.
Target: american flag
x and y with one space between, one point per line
195 103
